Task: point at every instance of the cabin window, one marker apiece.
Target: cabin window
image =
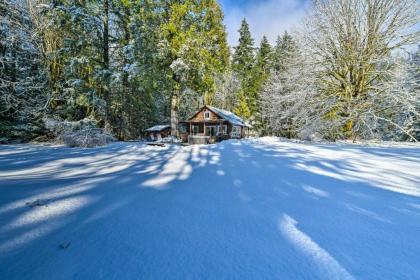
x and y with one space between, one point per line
210 131
195 129
236 132
222 129
206 115
182 128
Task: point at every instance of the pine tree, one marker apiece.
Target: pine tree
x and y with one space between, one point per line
243 59
284 50
136 88
22 76
93 81
243 63
264 58
261 73
286 92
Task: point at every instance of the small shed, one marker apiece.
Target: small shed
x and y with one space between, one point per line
157 132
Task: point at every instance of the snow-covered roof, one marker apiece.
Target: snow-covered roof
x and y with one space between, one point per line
158 128
229 116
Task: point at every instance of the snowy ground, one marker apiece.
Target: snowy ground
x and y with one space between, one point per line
252 209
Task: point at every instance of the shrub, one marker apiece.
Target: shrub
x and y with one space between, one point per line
83 133
87 137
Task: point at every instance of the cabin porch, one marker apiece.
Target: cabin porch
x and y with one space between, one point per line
204 132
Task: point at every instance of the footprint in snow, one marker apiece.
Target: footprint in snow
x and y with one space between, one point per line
64 245
38 202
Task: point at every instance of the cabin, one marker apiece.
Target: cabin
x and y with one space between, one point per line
211 124
157 132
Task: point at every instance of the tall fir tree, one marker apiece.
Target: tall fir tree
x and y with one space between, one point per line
261 72
243 62
284 51
264 58
243 59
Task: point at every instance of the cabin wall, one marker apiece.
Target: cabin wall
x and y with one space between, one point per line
199 117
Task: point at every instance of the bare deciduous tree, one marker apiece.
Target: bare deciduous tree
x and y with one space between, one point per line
350 42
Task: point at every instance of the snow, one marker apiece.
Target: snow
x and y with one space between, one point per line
170 139
158 128
229 116
250 209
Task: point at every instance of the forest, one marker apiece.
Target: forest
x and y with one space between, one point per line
351 70
209 139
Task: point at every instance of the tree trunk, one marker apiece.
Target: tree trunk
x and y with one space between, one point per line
106 62
174 111
126 91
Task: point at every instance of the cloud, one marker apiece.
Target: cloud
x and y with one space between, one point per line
270 18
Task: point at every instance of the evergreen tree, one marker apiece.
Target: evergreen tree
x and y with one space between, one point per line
84 77
137 91
192 49
242 108
243 59
285 90
243 63
90 80
264 58
283 52
261 72
22 77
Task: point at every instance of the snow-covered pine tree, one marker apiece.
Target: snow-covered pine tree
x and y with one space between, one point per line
262 70
285 46
23 92
279 100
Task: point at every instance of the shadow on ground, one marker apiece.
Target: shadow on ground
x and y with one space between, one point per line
238 210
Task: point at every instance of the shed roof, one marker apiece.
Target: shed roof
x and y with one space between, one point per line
158 128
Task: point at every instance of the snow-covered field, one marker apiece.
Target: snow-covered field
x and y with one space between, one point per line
251 209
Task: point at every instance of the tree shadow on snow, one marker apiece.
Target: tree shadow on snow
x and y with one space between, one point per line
233 210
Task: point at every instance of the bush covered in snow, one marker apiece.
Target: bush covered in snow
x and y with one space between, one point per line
83 133
88 138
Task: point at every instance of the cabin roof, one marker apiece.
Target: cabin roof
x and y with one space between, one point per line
229 116
226 115
158 128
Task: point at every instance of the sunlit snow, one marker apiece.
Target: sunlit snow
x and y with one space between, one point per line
250 209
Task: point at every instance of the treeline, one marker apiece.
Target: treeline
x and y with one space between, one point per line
354 74
129 64
123 63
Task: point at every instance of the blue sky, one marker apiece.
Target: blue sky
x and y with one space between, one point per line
269 17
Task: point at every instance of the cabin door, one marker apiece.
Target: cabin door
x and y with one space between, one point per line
210 130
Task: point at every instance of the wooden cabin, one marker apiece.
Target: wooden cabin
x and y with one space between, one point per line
210 125
158 132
